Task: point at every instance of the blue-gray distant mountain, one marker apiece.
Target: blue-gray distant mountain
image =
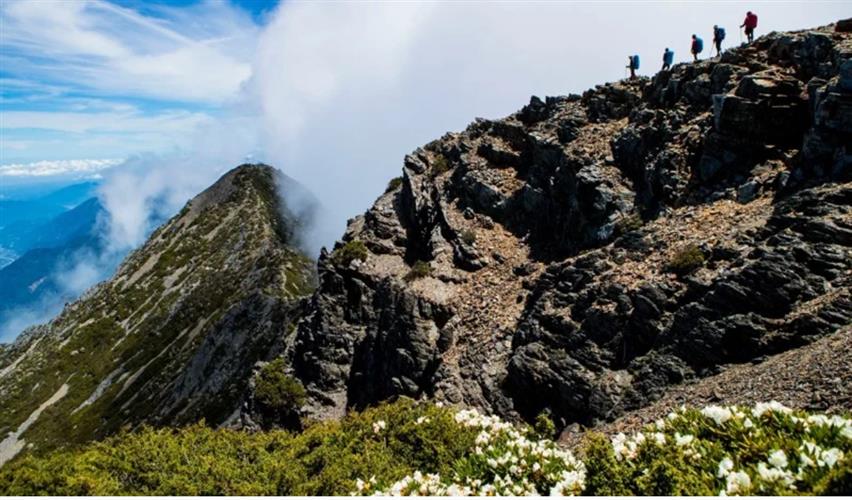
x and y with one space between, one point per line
44 207
23 235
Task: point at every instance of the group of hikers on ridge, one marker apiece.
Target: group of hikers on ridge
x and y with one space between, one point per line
697 46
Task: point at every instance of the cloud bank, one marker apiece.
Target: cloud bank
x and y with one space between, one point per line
345 90
47 168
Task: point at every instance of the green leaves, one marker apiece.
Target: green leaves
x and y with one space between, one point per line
406 447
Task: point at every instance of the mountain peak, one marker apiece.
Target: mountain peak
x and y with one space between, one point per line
174 335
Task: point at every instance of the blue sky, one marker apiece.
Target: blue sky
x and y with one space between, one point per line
106 80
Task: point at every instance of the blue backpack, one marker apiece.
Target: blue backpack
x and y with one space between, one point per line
635 62
668 57
698 46
720 34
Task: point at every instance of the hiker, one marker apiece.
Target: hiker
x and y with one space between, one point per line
668 58
750 24
697 47
718 36
633 64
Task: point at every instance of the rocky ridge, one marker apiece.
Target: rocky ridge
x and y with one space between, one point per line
585 254
175 335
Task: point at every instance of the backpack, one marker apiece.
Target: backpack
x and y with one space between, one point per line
668 57
698 45
720 34
752 21
635 62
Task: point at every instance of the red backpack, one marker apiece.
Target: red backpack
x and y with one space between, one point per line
751 21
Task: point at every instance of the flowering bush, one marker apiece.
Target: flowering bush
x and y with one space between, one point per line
717 450
410 448
504 459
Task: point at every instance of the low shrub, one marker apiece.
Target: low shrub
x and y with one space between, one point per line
419 269
278 395
768 450
350 251
410 448
686 260
628 223
468 236
440 165
393 184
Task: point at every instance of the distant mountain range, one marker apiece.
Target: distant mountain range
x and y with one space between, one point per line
43 238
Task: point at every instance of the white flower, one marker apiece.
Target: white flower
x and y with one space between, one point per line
660 438
618 445
830 457
774 474
847 432
778 459
774 406
737 482
724 467
379 426
718 414
536 467
422 420
748 424
683 440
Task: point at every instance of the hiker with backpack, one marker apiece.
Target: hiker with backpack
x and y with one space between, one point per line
668 59
718 36
697 47
633 64
750 24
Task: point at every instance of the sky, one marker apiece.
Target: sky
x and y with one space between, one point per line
160 98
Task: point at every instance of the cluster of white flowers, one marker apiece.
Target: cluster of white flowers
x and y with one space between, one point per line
718 414
379 426
628 448
775 472
774 406
506 460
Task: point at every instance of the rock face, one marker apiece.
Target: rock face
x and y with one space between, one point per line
174 336
588 252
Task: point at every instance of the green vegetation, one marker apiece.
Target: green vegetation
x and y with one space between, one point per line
278 393
468 236
388 441
628 223
440 165
407 447
420 269
768 449
352 250
686 260
544 426
393 184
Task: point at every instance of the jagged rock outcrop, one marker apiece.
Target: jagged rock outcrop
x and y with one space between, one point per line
175 335
586 253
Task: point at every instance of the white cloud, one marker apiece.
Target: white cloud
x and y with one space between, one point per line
347 89
198 53
46 168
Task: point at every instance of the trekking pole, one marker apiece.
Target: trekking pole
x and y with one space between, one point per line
740 31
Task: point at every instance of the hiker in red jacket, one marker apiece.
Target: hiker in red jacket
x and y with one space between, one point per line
750 24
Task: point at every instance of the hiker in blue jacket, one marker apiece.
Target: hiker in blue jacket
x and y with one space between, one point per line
697 47
718 36
633 64
668 59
